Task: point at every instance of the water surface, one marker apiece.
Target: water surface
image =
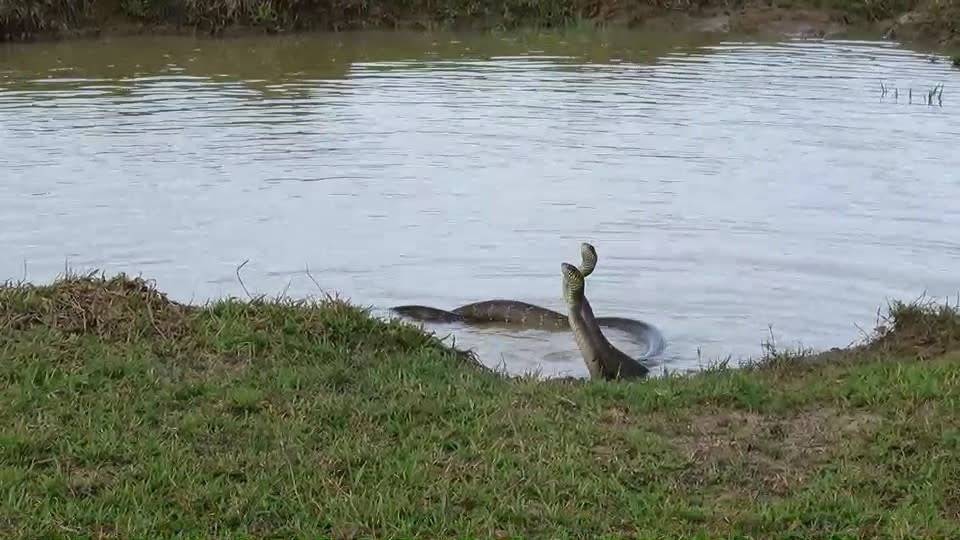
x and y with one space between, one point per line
727 185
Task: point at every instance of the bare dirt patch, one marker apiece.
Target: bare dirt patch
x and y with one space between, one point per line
768 455
617 416
751 18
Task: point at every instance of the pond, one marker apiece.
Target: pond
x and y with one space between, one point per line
730 185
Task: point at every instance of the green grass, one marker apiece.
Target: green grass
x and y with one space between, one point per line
123 414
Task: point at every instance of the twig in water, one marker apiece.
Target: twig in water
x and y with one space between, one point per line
306 269
770 345
240 279
315 282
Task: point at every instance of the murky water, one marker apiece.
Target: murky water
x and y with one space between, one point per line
727 185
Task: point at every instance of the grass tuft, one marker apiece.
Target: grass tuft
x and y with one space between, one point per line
923 327
116 309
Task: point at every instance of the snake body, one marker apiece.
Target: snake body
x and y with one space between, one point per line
526 315
602 358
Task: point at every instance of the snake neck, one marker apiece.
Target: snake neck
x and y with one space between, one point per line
593 328
585 341
614 363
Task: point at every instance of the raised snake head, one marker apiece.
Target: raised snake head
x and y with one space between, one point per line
572 283
588 254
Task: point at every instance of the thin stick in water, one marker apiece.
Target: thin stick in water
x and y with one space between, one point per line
240 279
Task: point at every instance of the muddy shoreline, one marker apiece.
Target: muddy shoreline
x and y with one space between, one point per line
930 26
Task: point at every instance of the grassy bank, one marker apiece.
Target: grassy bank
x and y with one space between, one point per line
123 414
25 19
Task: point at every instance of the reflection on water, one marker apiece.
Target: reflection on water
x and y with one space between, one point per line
728 186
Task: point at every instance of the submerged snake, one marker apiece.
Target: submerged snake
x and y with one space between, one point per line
525 315
604 361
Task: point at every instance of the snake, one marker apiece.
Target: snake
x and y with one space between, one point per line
526 315
604 361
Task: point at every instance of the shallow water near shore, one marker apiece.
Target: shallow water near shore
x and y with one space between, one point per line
728 185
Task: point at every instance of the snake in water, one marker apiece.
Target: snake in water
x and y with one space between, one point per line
604 361
525 315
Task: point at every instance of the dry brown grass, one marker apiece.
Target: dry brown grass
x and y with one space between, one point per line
766 455
115 309
924 328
